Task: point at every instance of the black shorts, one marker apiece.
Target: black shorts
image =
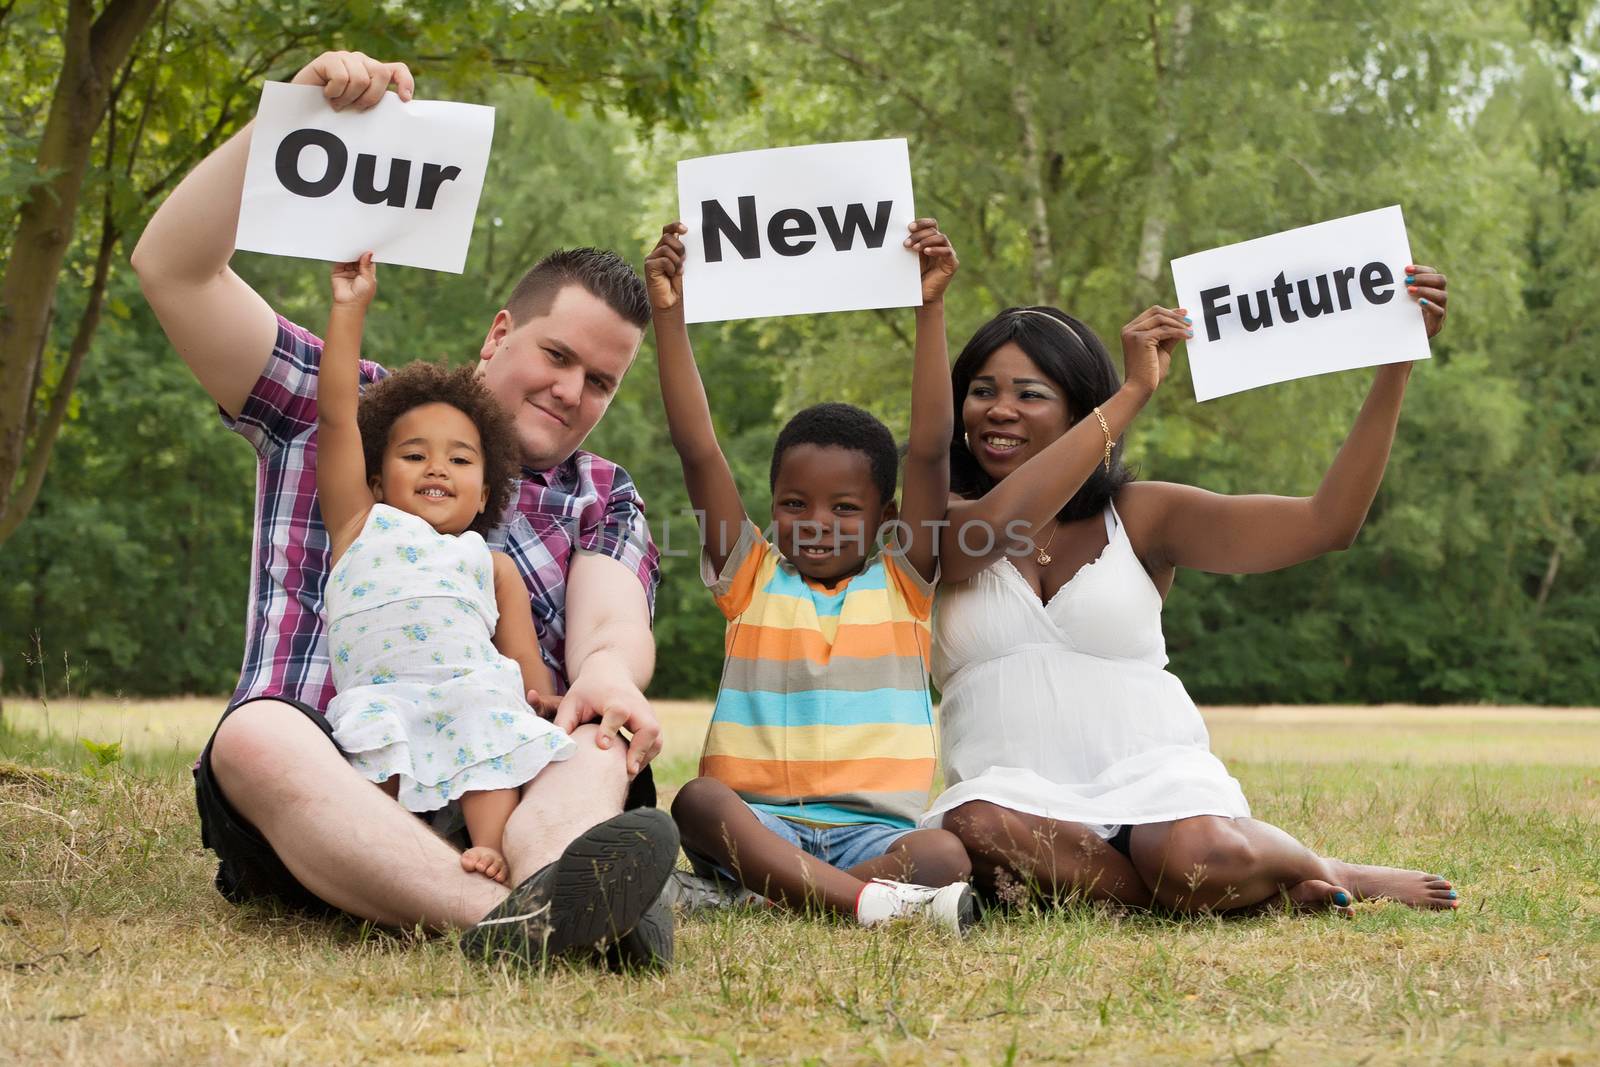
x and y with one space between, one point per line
247 867
1122 840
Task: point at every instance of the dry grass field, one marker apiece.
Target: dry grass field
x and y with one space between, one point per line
113 947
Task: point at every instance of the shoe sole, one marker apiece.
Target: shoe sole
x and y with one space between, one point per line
602 885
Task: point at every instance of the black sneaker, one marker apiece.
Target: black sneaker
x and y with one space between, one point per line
598 890
648 946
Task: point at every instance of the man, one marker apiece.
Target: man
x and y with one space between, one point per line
286 815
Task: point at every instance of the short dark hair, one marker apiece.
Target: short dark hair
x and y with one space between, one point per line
602 274
842 426
422 383
1071 356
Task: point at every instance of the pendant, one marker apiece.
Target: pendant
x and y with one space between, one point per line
1044 558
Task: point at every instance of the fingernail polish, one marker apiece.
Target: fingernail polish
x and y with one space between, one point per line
1424 300
1190 333
1187 319
1410 278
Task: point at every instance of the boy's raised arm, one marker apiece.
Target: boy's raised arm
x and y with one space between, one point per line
712 491
342 491
927 482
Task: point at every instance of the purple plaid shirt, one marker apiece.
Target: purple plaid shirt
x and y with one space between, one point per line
585 504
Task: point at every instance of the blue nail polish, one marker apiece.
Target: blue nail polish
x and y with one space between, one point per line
1410 278
1187 319
1341 898
1424 300
1190 333
1453 894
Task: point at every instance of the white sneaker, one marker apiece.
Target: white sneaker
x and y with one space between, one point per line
950 907
691 892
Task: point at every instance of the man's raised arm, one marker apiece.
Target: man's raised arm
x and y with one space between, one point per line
221 327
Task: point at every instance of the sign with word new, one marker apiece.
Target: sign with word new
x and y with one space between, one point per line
789 231
1321 298
400 180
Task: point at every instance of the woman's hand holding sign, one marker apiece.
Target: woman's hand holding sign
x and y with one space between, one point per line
1147 344
1428 287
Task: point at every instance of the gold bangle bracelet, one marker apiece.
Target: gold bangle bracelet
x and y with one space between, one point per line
1105 428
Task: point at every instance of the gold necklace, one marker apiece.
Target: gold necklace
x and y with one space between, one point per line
1044 556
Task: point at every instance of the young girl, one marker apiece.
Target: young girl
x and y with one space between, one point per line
431 634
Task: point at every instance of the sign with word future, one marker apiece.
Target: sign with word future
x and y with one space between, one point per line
1322 298
400 180
790 231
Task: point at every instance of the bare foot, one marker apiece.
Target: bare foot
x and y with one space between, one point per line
485 861
1415 889
1311 895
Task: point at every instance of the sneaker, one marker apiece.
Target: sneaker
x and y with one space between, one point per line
599 890
648 946
950 907
691 892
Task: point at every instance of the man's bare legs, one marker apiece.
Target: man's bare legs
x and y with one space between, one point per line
1013 852
358 850
716 823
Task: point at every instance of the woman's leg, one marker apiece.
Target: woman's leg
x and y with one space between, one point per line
487 811
714 822
1213 863
1014 852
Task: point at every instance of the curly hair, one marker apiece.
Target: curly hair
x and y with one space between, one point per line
842 426
422 383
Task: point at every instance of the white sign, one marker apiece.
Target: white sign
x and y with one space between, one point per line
1322 298
790 231
400 180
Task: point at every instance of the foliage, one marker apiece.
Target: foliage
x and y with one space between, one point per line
1066 146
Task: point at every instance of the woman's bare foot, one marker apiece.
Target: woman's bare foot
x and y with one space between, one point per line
485 861
1311 895
1415 889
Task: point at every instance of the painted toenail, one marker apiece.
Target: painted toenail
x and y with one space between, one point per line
1453 894
1341 898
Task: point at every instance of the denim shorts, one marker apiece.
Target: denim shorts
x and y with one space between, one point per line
838 846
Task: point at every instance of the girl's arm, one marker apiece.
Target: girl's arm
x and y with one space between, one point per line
927 486
712 491
1189 527
979 531
342 490
515 634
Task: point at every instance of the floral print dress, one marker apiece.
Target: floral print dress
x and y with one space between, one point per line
423 692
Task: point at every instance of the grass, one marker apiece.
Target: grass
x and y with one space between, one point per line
114 947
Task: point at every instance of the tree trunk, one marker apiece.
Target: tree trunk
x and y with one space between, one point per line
94 48
1158 209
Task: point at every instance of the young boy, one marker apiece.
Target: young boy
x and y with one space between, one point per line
820 753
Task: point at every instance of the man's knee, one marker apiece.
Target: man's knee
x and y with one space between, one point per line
603 771
259 744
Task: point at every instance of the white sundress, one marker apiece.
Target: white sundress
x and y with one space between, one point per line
422 691
1064 710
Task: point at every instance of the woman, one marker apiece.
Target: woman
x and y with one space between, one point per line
1075 763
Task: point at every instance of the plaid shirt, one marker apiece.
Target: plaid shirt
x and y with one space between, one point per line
585 504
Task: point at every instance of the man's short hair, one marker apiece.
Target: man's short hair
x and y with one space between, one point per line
602 274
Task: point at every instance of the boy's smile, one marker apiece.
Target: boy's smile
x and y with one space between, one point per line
827 510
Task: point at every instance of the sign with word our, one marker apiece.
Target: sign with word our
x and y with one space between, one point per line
789 231
400 180
1322 298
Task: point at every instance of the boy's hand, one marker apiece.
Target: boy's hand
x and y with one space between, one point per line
936 257
663 268
355 284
